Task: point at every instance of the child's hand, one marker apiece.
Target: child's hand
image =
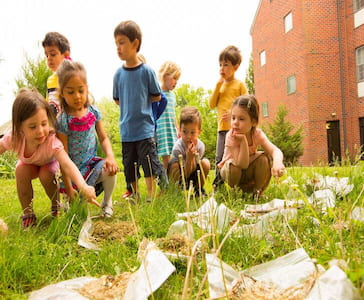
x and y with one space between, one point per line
111 166
88 192
191 151
240 137
278 169
225 116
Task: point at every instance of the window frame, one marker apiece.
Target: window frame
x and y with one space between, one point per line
358 5
288 22
359 62
262 58
265 109
291 89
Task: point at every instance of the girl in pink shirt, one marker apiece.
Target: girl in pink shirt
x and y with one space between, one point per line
39 152
242 165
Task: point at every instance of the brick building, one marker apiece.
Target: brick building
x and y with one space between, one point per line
309 56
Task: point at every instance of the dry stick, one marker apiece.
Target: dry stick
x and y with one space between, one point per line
217 253
180 160
151 175
189 265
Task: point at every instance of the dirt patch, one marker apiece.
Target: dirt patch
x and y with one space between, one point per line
106 287
103 231
176 243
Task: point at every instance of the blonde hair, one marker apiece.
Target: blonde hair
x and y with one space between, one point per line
169 68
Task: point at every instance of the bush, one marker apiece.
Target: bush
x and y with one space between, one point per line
280 134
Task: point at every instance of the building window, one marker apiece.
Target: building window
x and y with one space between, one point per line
358 5
288 25
360 63
265 109
262 58
291 84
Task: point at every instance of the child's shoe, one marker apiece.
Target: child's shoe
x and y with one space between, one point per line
54 210
107 212
28 220
133 198
127 194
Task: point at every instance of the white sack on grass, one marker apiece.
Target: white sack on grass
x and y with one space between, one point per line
274 204
154 270
286 271
85 237
358 214
62 290
210 216
261 227
333 285
340 186
324 198
181 227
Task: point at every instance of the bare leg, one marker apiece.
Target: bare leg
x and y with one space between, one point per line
166 159
174 172
24 175
150 183
48 180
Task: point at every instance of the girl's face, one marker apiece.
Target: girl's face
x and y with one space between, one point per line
36 128
241 121
227 70
190 133
75 93
54 57
169 83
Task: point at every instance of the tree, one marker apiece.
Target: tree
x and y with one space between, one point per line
249 78
34 75
280 134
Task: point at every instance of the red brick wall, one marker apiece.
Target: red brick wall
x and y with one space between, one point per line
311 52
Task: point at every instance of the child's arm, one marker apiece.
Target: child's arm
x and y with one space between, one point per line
161 106
155 98
242 159
190 164
72 172
110 162
71 192
277 155
214 98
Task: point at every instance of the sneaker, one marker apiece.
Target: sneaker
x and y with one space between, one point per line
107 212
148 199
28 220
127 194
54 210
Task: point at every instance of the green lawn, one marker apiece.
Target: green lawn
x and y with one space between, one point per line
48 253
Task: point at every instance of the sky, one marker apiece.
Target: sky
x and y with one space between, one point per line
190 32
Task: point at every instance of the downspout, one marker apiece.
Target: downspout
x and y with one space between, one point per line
342 85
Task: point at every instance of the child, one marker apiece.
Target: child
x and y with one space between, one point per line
242 165
76 128
169 74
224 94
189 146
39 152
56 49
135 87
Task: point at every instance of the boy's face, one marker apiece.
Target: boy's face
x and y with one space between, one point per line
190 133
54 57
227 70
125 48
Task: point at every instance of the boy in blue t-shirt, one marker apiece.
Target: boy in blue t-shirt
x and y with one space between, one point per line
135 87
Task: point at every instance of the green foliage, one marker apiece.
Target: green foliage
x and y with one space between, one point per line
7 164
35 73
280 133
110 117
249 78
188 96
